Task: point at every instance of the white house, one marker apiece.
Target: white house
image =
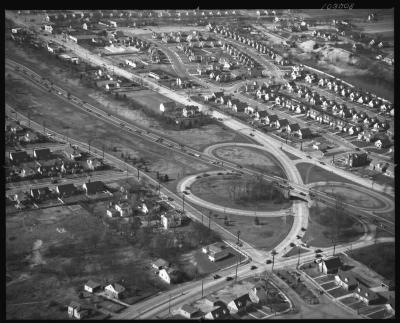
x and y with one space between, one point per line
114 290
123 208
171 219
92 286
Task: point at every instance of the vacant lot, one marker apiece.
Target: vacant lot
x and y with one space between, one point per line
45 265
266 235
242 192
251 157
380 258
295 251
311 173
325 224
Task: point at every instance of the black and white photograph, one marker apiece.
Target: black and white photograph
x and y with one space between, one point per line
200 164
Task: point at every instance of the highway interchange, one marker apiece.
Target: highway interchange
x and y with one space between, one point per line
160 303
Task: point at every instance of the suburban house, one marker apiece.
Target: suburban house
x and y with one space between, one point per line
346 280
19 156
239 106
75 310
363 293
188 311
112 213
293 128
114 290
160 264
382 143
66 190
389 171
94 163
38 193
42 154
258 294
239 304
357 159
271 119
123 208
171 219
92 188
261 115
216 251
320 146
92 286
170 275
72 153
378 166
167 106
218 313
330 265
281 124
304 133
190 111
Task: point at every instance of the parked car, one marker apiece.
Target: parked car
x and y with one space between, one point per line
253 267
269 261
186 193
228 278
318 251
217 276
322 163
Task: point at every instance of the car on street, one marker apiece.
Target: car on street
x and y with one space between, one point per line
253 267
298 237
318 251
309 157
252 134
322 163
228 278
269 261
303 229
186 192
170 199
54 180
302 193
217 276
318 255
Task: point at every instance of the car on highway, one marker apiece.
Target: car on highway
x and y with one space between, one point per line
322 163
318 251
303 229
292 244
252 135
302 193
220 119
309 157
269 261
298 237
217 276
186 192
54 180
253 267
170 199
228 278
122 125
239 166
49 134
318 255
109 114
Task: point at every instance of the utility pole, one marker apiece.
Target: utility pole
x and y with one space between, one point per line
237 265
301 145
169 304
138 173
183 202
202 289
29 119
273 259
103 151
298 259
44 127
209 223
238 234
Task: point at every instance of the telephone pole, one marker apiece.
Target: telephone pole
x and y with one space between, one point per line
298 259
202 289
238 234
183 202
237 265
138 173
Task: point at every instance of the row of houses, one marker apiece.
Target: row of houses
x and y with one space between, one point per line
259 46
219 310
170 108
343 90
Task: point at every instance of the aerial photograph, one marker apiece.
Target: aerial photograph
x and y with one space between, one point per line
200 164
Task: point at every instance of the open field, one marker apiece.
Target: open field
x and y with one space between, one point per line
311 173
45 265
295 251
323 223
81 126
266 235
251 157
380 258
353 196
234 191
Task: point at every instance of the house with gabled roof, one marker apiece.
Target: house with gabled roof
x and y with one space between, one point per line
170 275
19 156
239 304
363 293
389 171
293 128
77 311
92 286
66 190
92 188
114 290
330 265
188 311
160 264
346 280
258 293
271 119
217 313
40 193
42 154
304 133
